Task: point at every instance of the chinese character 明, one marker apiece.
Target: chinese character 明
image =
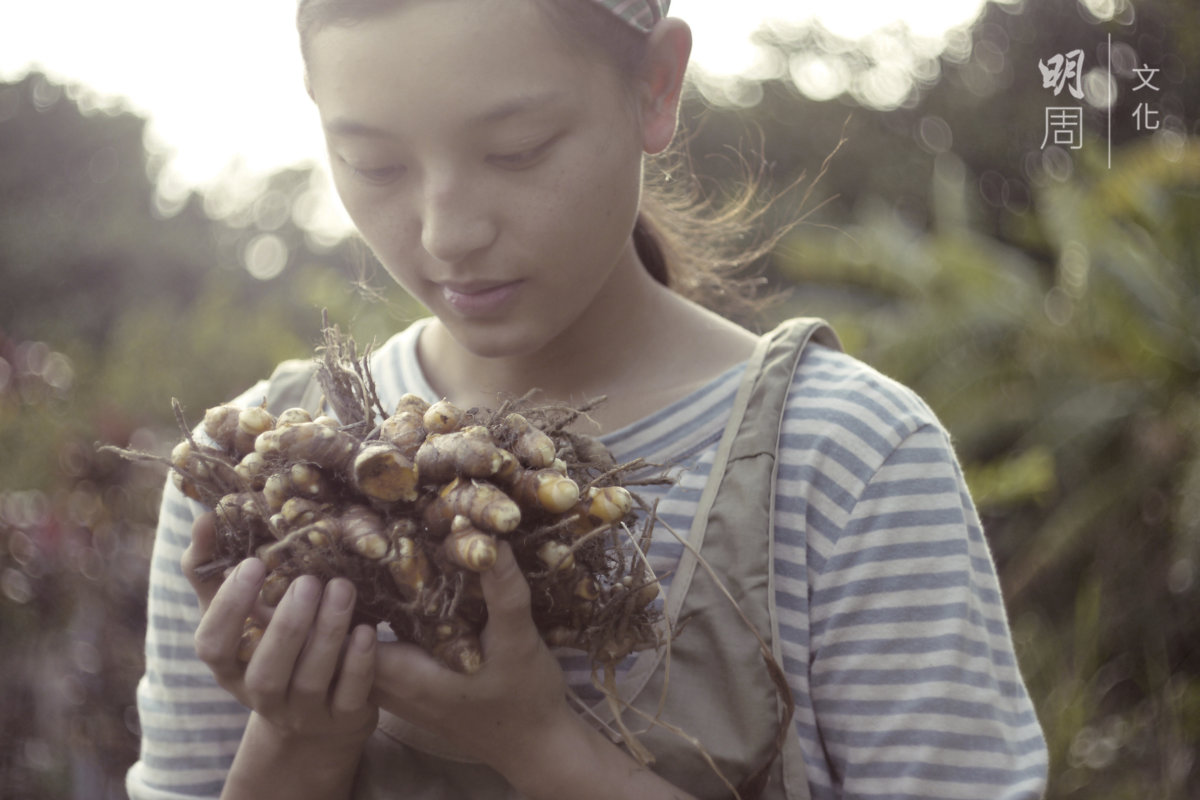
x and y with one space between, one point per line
1060 70
1066 124
1145 75
1143 115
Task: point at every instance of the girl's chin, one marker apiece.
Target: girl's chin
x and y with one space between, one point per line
492 339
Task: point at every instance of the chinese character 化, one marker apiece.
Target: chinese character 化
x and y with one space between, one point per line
1142 115
1060 70
1067 124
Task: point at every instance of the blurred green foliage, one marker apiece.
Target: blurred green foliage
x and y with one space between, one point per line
1045 303
1074 399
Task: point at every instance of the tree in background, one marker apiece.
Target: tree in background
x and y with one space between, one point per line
114 300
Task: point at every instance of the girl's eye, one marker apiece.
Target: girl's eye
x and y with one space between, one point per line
374 175
524 158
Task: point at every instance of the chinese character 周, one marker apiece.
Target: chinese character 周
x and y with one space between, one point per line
1066 123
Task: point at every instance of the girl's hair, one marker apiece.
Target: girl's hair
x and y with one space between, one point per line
699 247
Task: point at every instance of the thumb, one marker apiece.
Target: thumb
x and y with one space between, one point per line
507 596
201 550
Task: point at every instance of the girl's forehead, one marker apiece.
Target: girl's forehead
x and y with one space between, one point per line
445 32
471 60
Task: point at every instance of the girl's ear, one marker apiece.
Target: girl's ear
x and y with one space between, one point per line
660 83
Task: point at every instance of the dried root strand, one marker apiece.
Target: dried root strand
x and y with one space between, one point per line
347 382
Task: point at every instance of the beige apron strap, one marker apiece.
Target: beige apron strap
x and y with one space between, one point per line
767 434
646 662
737 507
682 579
780 349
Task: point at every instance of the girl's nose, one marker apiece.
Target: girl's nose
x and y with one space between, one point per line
454 223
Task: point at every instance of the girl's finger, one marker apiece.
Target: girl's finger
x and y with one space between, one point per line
353 689
507 596
269 673
220 628
318 661
201 550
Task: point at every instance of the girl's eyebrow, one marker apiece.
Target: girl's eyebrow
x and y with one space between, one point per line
344 126
522 104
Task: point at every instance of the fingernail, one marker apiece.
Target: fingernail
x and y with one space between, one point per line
305 588
249 572
363 639
340 595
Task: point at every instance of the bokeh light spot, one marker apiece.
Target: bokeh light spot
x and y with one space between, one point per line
1099 88
817 77
934 134
265 256
15 586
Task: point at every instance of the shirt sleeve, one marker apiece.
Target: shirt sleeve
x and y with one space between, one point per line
190 726
913 689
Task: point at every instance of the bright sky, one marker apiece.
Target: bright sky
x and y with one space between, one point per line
220 79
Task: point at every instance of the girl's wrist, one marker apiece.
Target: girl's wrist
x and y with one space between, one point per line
274 762
569 758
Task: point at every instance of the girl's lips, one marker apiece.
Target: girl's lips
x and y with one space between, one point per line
478 299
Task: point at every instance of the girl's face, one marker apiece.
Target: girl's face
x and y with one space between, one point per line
494 173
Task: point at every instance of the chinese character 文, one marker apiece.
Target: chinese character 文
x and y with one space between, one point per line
1066 124
1145 75
1063 70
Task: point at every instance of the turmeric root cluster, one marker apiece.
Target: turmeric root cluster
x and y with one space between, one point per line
412 511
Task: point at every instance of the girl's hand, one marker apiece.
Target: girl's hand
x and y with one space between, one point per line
512 714
518 691
309 677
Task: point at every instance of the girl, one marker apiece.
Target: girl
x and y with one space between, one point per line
490 153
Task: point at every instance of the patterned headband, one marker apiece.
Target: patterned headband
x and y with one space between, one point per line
641 14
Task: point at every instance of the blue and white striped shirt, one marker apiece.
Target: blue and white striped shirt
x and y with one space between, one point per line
894 634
